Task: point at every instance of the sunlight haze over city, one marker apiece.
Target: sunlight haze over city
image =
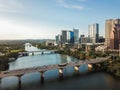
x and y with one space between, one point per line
43 19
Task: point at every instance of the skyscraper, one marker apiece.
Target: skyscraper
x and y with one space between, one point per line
71 36
76 36
93 33
112 33
67 36
64 36
58 38
82 39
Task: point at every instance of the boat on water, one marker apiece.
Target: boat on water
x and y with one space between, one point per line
62 64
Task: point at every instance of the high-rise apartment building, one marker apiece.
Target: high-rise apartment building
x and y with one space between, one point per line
70 37
82 39
58 38
93 33
67 36
112 33
64 36
76 36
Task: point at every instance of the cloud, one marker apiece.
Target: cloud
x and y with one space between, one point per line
10 6
73 7
64 4
60 1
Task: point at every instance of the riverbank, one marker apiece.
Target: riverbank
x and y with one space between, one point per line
111 66
4 60
3 63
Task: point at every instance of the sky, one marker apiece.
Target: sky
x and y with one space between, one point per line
43 19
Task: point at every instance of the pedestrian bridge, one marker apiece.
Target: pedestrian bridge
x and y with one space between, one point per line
42 69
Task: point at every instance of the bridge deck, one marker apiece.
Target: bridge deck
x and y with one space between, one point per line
48 67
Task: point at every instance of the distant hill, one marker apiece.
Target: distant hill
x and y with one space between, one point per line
23 41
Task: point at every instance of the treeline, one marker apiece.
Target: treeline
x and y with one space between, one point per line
81 55
111 66
8 51
4 60
5 48
4 63
114 66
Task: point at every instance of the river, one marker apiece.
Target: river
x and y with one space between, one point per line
31 81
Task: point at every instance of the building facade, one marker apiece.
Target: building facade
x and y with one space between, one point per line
82 39
93 33
71 37
64 36
68 37
76 36
112 33
58 38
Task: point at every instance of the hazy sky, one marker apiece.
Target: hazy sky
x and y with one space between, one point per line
38 19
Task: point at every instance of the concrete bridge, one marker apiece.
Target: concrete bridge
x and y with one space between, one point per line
42 69
36 52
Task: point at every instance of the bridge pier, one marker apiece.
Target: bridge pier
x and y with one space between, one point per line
61 73
42 53
76 68
97 67
0 80
42 77
19 79
32 53
90 67
51 52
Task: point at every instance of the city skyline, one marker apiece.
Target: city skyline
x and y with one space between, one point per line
43 19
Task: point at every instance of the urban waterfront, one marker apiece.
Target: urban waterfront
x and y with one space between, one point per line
59 45
52 82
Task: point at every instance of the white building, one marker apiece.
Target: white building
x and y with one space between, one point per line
93 33
58 38
101 48
29 47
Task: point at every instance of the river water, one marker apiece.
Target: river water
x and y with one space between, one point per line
31 81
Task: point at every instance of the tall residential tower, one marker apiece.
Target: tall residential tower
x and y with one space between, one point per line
64 36
112 33
76 36
93 33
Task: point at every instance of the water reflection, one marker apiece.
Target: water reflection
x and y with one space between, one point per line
65 58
